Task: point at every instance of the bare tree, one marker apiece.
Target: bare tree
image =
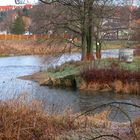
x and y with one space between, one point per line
136 15
6 23
39 19
84 18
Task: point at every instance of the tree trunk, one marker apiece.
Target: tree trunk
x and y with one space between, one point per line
98 48
84 31
89 37
98 51
83 57
89 54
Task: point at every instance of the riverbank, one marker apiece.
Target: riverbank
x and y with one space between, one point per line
48 47
124 76
21 119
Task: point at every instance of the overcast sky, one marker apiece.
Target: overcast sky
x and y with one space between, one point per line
12 2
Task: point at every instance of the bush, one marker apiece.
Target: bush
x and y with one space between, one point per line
27 121
105 76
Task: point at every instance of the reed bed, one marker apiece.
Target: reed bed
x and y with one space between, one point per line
118 80
38 47
22 119
27 121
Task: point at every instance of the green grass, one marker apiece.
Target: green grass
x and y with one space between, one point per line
112 44
134 66
73 68
116 44
4 55
64 70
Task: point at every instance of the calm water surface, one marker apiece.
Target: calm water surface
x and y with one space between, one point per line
54 99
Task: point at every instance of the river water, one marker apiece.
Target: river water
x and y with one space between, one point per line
54 99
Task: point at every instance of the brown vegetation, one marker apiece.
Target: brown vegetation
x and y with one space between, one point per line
136 125
137 51
26 120
109 75
28 47
26 37
120 87
120 81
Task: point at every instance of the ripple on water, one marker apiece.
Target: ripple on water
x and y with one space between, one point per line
52 98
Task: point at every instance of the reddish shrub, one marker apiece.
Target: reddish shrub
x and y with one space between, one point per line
109 75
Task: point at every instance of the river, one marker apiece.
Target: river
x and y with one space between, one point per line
54 99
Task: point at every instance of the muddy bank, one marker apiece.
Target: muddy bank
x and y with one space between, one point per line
44 79
36 77
105 75
75 81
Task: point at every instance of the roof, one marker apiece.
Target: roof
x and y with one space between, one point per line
9 7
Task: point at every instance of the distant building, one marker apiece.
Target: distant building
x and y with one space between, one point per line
12 7
118 27
13 11
3 32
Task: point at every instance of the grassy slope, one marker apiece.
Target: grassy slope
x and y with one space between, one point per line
117 44
71 68
135 66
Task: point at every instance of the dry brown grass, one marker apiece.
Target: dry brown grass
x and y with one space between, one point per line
129 88
99 87
28 47
20 120
117 86
136 124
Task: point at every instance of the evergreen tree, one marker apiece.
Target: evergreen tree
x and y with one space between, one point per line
18 26
25 12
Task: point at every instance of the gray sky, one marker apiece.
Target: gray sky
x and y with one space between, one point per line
11 2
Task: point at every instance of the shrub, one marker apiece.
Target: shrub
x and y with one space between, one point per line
109 75
27 121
